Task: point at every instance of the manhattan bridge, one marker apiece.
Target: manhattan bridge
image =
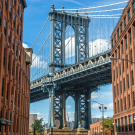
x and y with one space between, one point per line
71 57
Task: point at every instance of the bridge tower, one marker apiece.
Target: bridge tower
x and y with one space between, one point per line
57 97
59 22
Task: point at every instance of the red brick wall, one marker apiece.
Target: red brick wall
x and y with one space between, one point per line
94 129
120 111
18 75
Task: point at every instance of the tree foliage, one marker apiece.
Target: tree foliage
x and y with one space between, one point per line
38 125
108 124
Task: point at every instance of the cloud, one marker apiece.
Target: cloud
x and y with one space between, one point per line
70 113
25 45
95 95
98 46
96 106
95 47
99 116
68 106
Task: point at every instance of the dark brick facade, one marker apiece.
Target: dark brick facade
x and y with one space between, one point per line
14 72
123 72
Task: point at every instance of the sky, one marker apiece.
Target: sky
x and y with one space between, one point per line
35 15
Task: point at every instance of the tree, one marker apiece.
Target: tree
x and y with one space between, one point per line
108 124
38 125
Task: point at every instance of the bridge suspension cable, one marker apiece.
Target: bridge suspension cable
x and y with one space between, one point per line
40 32
40 67
95 7
97 11
41 46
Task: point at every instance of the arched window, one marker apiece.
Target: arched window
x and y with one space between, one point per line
10 11
14 21
0 17
9 36
20 35
14 2
13 43
5 25
17 29
6 4
16 49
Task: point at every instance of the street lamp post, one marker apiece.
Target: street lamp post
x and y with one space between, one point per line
112 58
102 109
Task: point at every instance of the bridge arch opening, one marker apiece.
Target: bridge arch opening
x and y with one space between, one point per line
70 112
69 45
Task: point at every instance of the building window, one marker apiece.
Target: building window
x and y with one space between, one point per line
131 56
17 28
119 52
5 25
130 38
124 84
115 108
122 124
13 43
130 123
129 15
134 121
128 81
132 77
10 12
124 21
19 55
121 28
126 42
129 100
120 87
16 49
115 38
117 72
9 64
114 92
114 74
126 129
116 124
3 87
121 105
20 17
118 107
118 33
122 46
125 103
120 68
6 4
20 35
133 99
13 69
127 60
4 61
14 2
123 66
14 21
7 89
16 73
18 9
9 36
117 90
0 17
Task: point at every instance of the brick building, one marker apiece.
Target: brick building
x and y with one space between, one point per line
96 129
123 72
14 69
